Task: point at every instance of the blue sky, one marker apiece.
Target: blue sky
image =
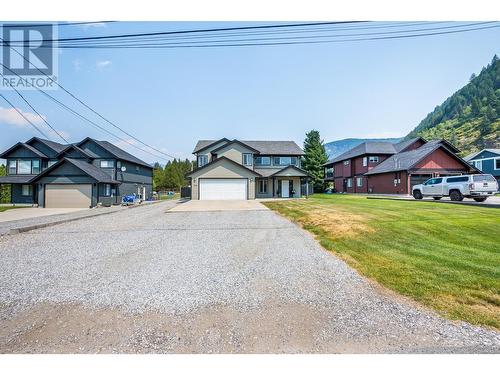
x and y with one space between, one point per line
171 97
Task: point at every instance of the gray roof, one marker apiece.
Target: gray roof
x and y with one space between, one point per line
403 144
266 172
95 172
15 179
366 148
474 154
57 147
405 160
74 146
20 144
264 147
119 153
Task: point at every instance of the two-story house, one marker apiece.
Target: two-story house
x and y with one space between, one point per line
82 174
487 161
387 168
233 169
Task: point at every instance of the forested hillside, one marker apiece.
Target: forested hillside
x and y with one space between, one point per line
470 118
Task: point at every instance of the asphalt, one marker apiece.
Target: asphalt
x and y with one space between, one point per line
151 280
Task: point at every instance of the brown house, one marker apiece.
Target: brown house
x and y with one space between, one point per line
386 168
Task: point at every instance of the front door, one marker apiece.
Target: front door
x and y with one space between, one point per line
285 189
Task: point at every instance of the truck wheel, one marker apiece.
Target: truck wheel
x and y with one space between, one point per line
417 194
456 196
482 199
436 198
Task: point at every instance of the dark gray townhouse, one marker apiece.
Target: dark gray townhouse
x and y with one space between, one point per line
81 174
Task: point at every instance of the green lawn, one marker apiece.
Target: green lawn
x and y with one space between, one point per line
5 208
165 197
445 256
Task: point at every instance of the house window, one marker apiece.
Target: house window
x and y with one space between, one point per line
118 164
106 163
497 163
263 186
349 182
329 172
12 167
247 159
285 160
478 164
35 167
359 181
263 160
50 163
137 168
24 166
373 159
107 190
26 190
202 160
346 162
365 161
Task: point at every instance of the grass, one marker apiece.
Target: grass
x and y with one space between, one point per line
444 256
165 197
5 208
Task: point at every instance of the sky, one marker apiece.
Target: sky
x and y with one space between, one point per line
170 98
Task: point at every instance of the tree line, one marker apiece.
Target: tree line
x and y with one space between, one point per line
171 176
4 189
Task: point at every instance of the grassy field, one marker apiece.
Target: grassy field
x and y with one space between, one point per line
445 256
165 197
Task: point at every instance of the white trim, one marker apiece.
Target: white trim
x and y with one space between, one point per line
495 164
480 159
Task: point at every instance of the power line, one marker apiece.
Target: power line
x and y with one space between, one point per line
290 38
229 44
39 115
91 109
23 116
192 31
58 23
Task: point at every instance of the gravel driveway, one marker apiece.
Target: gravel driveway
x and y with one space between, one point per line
148 280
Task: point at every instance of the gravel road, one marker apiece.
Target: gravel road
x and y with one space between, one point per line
152 281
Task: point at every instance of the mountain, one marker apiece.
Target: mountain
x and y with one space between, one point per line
336 148
470 118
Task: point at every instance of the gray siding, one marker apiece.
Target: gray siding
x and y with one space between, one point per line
17 196
44 149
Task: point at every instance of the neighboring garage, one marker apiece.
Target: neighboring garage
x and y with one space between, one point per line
223 188
70 195
74 183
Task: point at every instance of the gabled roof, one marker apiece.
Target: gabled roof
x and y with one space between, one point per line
115 151
74 147
20 144
95 172
55 146
406 160
404 144
218 160
263 147
205 143
365 148
474 154
301 171
233 142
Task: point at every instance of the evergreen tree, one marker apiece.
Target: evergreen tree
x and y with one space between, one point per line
315 157
4 189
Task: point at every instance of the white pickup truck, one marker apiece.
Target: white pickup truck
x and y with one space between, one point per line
476 186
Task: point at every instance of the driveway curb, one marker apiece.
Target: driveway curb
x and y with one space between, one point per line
50 224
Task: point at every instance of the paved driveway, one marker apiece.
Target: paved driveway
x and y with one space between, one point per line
152 280
34 212
227 205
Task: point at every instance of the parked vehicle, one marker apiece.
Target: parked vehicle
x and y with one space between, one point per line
478 187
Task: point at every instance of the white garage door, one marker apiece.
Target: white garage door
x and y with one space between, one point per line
223 189
68 196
